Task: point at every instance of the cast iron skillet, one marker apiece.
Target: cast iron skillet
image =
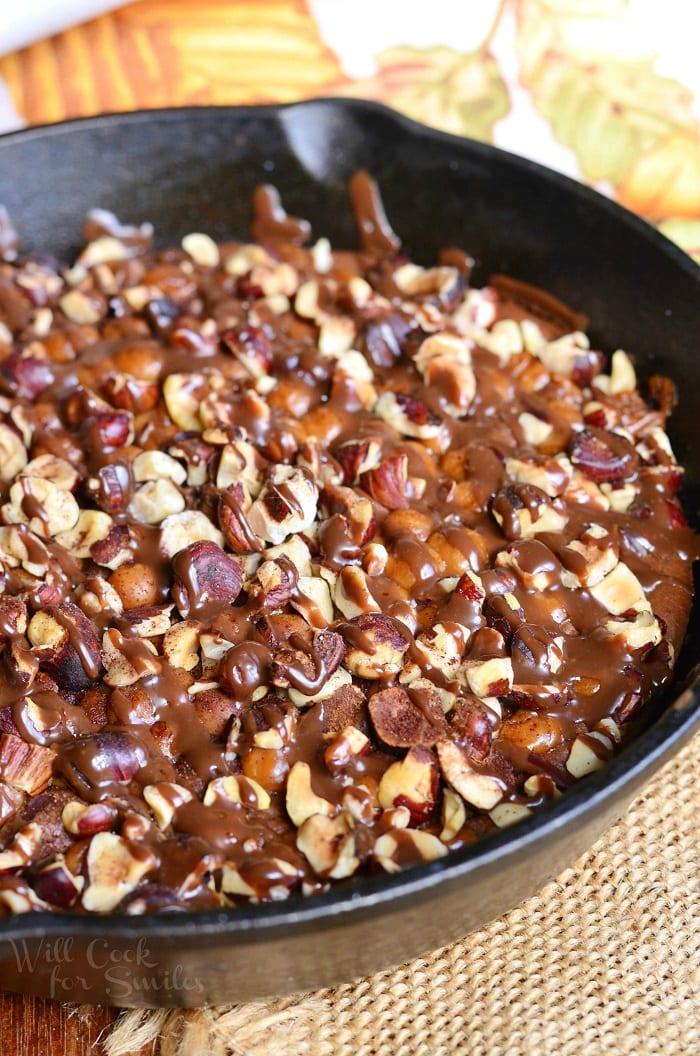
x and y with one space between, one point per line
194 169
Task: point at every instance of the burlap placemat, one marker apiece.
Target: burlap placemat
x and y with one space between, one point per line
604 960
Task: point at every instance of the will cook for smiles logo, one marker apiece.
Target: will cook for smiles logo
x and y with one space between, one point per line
126 973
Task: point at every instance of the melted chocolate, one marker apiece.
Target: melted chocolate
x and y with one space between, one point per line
270 221
375 230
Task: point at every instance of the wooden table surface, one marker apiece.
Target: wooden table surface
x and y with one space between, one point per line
30 1027
172 52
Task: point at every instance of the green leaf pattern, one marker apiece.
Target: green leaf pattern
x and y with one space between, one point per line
630 128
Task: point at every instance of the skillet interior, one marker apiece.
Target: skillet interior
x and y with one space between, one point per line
195 169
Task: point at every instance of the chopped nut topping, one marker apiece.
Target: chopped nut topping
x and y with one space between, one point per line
312 563
115 867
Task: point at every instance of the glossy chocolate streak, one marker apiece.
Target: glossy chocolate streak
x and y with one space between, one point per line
362 552
534 301
375 230
272 224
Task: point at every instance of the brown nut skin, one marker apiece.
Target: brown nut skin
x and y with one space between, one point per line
415 784
531 731
26 376
130 705
112 488
13 617
238 534
399 722
141 359
275 629
130 394
44 810
53 883
97 760
470 721
92 818
94 702
151 898
603 455
214 710
346 707
204 573
268 767
408 522
110 429
75 857
75 669
137 585
386 483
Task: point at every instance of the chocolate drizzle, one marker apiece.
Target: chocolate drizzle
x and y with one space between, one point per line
271 223
375 230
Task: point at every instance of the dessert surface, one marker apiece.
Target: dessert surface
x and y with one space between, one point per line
314 562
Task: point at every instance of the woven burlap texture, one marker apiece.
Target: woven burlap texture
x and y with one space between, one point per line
604 960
